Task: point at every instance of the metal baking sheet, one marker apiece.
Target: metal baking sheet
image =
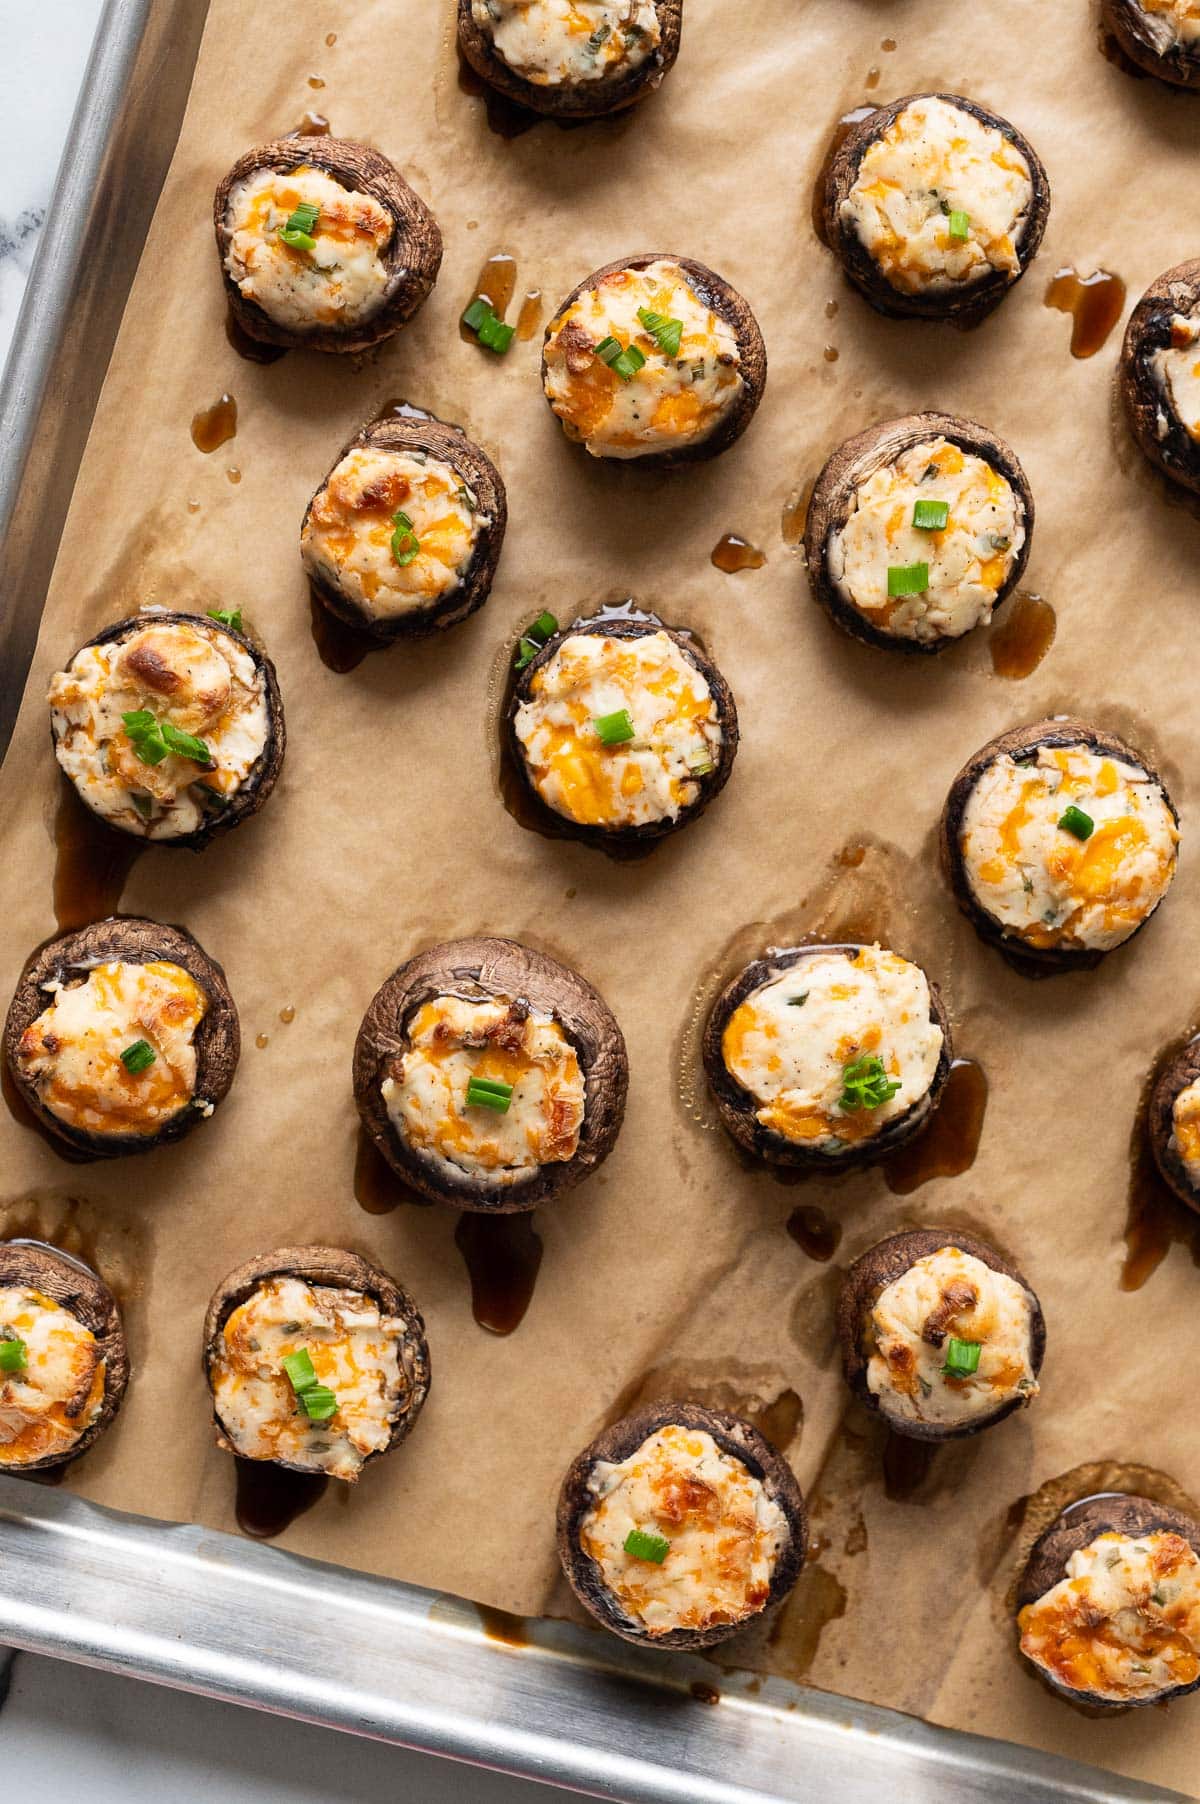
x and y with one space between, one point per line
249 1623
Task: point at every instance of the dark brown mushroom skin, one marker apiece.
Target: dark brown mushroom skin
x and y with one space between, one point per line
1176 1075
708 787
1076 1528
1130 25
416 431
737 1107
413 254
79 1290
734 1437
1024 743
966 303
262 778
335 1268
573 100
728 305
1175 452
852 464
478 969
865 1283
129 939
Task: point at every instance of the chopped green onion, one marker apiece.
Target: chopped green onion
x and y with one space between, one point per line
625 362
138 1057
475 315
614 729
866 1085
482 319
405 543
298 232
907 579
962 1358
931 516
959 225
13 1357
701 765
1077 822
798 1001
230 617
299 1368
643 1546
665 332
152 739
485 1093
184 745
318 1402
533 639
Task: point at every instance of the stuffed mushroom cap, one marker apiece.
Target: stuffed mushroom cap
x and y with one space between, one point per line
939 1334
571 59
623 730
1159 384
490 1076
1108 1605
122 1036
917 530
827 1056
1059 841
1173 1123
1161 36
679 1525
316 1360
404 534
170 725
64 1364
323 244
934 206
654 358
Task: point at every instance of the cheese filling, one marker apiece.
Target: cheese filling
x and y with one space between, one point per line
1185 1131
1173 22
72 1053
1125 1622
1176 369
192 676
1040 881
651 777
670 402
454 1039
57 1395
352 539
355 1353
935 161
724 1533
556 43
795 1042
969 559
340 282
949 1295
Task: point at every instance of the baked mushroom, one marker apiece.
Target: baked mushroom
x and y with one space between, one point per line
1159 385
939 1334
323 244
622 730
934 207
917 530
679 1525
490 1076
1108 1605
316 1360
571 59
122 1036
170 725
1173 1123
827 1056
1059 842
1161 36
64 1364
654 358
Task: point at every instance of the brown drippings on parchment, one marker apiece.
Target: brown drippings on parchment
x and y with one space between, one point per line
507 118
819 1599
91 862
1022 635
906 1466
377 1188
253 350
114 1246
1095 303
216 425
816 1233
1155 1218
340 646
756 1393
269 1498
795 508
948 1145
496 284
529 319
503 1254
503 1626
312 125
733 553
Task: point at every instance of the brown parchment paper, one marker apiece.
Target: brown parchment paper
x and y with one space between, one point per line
672 1270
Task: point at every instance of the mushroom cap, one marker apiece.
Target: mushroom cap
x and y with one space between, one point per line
1176 1075
1135 33
1175 452
573 100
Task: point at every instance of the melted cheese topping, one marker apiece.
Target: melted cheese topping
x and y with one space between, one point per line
1039 881
933 160
55 1398
195 677
791 1055
1125 1622
556 43
450 1041
969 560
347 537
1185 1131
672 402
949 1294
651 777
354 1350
72 1053
341 282
1176 369
1173 21
725 1533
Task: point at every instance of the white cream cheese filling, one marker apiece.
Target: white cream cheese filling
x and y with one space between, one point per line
556 43
1176 369
52 1400
339 283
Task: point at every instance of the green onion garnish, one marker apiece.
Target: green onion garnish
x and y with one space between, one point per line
13 1357
959 225
1077 822
798 1001
230 617
665 332
534 637
487 1093
931 516
299 1368
962 1358
614 729
642 1546
482 319
184 745
865 1085
623 361
298 232
152 739
907 579
405 543
318 1402
138 1057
